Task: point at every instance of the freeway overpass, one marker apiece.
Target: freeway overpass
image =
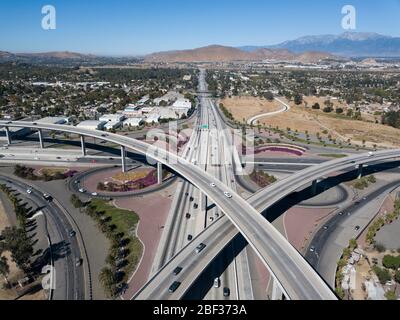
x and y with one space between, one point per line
219 234
295 276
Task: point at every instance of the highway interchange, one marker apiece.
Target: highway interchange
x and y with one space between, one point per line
294 275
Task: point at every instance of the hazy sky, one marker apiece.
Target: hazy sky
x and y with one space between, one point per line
128 27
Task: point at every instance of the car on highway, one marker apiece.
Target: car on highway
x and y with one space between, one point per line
35 123
29 191
188 215
227 292
78 262
189 237
81 190
195 206
72 233
326 227
174 286
217 282
370 154
357 228
312 249
200 247
177 271
211 219
47 197
228 195
212 185
94 194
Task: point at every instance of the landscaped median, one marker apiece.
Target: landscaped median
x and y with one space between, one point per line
125 251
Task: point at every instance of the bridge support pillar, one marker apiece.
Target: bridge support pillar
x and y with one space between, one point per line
159 173
277 293
123 160
41 139
8 135
314 187
360 171
83 146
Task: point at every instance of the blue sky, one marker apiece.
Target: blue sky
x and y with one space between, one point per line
129 27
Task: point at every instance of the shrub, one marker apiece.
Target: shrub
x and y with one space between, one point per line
391 262
382 274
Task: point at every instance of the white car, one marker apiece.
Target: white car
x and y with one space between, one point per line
29 191
212 185
81 190
94 194
370 154
227 194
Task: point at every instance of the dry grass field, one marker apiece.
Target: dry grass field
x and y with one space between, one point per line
315 121
247 107
131 176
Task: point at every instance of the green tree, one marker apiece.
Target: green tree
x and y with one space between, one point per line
17 242
4 268
108 281
298 99
76 202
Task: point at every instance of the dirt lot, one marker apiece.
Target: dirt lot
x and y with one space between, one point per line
305 119
247 107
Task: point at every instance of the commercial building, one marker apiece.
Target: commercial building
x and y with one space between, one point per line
133 122
153 118
54 120
92 125
112 117
110 125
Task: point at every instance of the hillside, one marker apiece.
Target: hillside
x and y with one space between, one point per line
216 53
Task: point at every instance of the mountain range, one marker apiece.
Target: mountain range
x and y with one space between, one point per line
308 49
348 44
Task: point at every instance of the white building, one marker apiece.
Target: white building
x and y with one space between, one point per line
147 110
167 113
182 103
133 122
153 118
112 117
53 120
110 125
92 125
